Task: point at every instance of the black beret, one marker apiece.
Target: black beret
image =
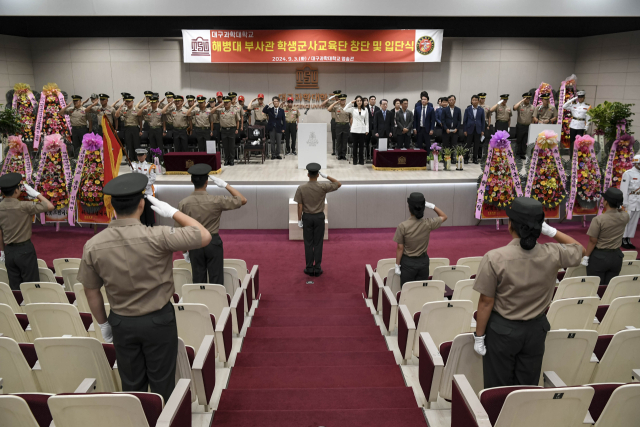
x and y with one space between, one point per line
10 180
200 169
524 206
314 167
126 185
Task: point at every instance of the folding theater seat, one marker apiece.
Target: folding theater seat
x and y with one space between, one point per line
42 263
615 405
619 354
463 290
15 370
621 286
43 292
25 410
181 276
7 296
437 262
70 278
182 263
81 298
577 287
623 312
4 277
472 262
568 353
414 295
195 323
198 364
11 327
216 299
382 268
629 255
240 266
393 282
233 282
46 275
579 271
60 264
630 268
55 320
451 274
384 265
573 313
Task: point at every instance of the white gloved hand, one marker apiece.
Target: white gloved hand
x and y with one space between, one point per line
30 191
107 334
429 205
2 256
220 183
548 230
397 269
573 99
300 223
585 261
479 346
323 175
186 257
163 209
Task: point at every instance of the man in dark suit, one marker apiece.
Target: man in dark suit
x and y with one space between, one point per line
275 126
383 123
369 139
474 126
424 119
451 120
404 122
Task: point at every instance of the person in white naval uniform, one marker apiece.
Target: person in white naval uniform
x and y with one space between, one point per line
630 187
579 118
148 169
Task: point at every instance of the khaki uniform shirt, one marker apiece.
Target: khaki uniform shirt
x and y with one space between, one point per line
291 115
312 194
154 118
525 114
16 219
608 228
503 113
100 111
521 281
170 110
180 117
207 209
134 264
487 114
130 116
341 115
201 118
77 116
545 113
257 109
414 234
229 118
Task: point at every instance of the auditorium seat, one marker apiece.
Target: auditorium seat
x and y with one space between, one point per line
180 277
621 354
630 255
55 320
383 266
575 287
630 268
46 275
472 262
463 290
389 309
573 313
223 336
10 326
195 323
253 294
7 297
60 264
622 312
81 298
4 277
437 262
416 294
216 299
232 283
451 274
17 376
621 286
518 406
579 271
615 405
182 263
25 410
239 264
123 409
70 278
199 364
46 292
368 281
569 354
393 281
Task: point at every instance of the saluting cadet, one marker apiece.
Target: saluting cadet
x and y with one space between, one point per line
149 170
630 187
343 128
257 105
153 117
132 124
516 284
412 237
482 97
207 209
191 101
545 113
292 118
579 117
202 123
229 124
336 95
525 116
503 113
215 117
104 109
180 123
18 253
134 264
310 198
80 126
147 98
604 257
167 129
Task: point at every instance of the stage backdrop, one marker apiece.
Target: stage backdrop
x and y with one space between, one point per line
312 46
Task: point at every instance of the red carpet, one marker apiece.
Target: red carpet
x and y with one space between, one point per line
313 355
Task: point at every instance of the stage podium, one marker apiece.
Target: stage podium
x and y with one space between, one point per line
312 144
295 232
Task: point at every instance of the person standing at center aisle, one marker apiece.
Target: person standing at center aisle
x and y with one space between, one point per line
474 126
630 187
579 117
451 121
132 125
207 209
503 113
80 126
516 285
424 121
404 122
275 126
202 124
343 119
152 115
292 118
412 238
359 128
604 257
149 171
525 116
310 198
229 125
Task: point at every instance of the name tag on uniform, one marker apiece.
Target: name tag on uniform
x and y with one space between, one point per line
174 112
635 179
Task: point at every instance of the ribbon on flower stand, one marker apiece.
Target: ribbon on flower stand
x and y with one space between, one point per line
620 136
53 144
579 142
545 140
435 149
90 142
16 146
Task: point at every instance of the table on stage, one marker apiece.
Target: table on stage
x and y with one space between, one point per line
400 160
179 163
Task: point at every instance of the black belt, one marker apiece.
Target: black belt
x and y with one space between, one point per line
290 123
20 243
179 128
607 250
231 127
416 257
155 127
520 321
202 127
502 121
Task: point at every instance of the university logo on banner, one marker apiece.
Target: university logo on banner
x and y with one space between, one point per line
200 47
196 46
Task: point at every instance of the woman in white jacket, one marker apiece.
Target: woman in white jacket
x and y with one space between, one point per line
359 128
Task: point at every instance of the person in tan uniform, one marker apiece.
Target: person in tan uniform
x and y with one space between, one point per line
336 94
310 198
202 123
604 257
291 119
257 105
132 125
482 97
525 116
343 127
503 113
18 253
516 285
545 113
230 122
180 121
80 126
104 109
412 238
167 126
134 264
215 117
152 115
207 209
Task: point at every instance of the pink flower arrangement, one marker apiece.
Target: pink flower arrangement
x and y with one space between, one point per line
500 139
92 142
588 172
622 160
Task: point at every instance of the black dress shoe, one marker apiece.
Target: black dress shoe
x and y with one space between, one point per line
279 158
308 272
317 273
294 153
231 163
362 163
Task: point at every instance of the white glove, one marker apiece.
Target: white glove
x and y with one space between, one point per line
479 346
429 205
186 257
585 261
397 269
323 175
220 183
573 99
2 256
548 230
107 334
30 191
300 223
163 209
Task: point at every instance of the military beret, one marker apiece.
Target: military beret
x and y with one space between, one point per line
10 180
545 96
178 97
201 98
126 185
76 97
314 167
140 151
260 96
148 92
241 98
526 95
169 94
226 99
505 96
189 97
482 95
200 169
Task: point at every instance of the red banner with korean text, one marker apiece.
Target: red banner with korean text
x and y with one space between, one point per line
296 46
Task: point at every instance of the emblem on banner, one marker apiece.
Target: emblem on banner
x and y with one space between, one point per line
425 45
402 160
188 164
199 47
306 78
312 141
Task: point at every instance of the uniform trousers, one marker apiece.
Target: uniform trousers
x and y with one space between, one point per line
216 132
342 138
522 138
333 137
449 139
208 261
414 268
424 140
228 143
202 135
132 140
146 350
180 140
276 142
605 263
630 229
313 234
514 351
502 125
22 264
290 135
77 132
474 145
358 147
155 138
147 218
572 137
403 140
